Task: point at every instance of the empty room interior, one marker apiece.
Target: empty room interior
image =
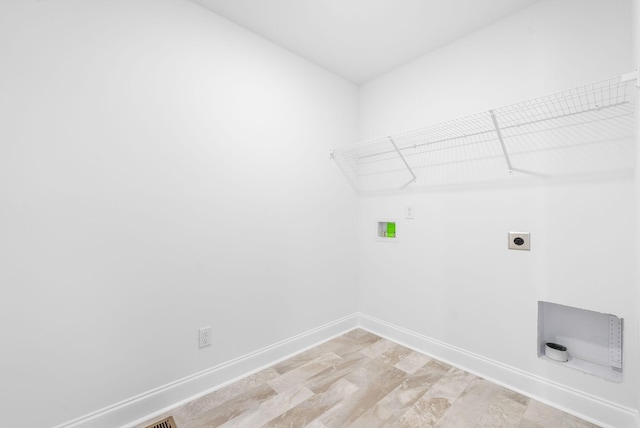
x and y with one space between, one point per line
340 213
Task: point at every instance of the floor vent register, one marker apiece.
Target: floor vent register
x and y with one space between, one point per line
165 423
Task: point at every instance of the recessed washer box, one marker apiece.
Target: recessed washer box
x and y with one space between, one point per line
520 241
386 230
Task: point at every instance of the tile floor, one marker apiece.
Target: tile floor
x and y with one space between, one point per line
362 380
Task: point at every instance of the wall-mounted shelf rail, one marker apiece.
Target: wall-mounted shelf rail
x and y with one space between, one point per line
591 126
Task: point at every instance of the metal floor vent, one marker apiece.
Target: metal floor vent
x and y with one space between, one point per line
165 423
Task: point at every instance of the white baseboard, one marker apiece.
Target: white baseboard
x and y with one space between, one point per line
157 401
575 402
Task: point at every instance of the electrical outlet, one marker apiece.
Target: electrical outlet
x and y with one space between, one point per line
410 212
519 241
204 337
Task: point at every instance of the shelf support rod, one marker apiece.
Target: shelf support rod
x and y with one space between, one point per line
504 148
403 160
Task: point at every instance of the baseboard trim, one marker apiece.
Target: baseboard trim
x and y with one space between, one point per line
157 401
585 406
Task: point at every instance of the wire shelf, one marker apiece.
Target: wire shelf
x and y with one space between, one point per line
524 138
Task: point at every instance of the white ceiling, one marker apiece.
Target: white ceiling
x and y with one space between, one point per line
361 39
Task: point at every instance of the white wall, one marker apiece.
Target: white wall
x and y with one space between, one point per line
161 169
451 277
636 65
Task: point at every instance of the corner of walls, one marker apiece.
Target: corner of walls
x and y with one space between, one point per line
158 402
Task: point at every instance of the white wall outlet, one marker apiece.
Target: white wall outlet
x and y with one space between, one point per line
410 212
519 241
204 337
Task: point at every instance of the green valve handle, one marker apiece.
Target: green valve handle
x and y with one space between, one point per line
391 230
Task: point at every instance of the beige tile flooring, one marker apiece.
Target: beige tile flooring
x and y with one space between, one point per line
362 380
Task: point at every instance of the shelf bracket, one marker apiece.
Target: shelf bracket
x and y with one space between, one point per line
403 160
504 148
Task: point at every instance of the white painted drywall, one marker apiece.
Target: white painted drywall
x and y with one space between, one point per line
636 65
161 169
451 278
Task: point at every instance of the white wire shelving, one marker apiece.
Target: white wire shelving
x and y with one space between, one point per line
580 129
